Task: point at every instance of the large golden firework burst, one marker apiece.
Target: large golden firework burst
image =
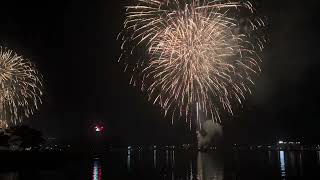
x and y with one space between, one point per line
20 87
195 52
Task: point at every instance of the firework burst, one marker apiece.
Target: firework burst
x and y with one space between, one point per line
20 87
193 52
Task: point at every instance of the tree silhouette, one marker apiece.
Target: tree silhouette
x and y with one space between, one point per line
29 137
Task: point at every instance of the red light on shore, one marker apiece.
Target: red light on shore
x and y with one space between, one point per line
98 128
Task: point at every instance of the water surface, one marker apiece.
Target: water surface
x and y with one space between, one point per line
172 165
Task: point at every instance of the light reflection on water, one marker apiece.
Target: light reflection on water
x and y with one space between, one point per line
173 161
282 163
129 159
318 155
300 163
209 167
173 164
97 171
167 157
9 176
155 158
291 163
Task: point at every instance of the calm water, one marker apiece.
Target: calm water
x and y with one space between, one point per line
176 165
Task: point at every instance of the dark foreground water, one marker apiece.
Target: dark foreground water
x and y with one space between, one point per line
169 165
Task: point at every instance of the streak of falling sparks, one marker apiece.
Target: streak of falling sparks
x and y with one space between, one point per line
20 87
193 52
3 125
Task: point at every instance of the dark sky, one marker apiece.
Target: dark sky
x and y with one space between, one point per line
74 45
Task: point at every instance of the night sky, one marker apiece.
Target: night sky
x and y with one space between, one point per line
73 44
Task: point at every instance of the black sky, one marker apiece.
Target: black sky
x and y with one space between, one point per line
74 45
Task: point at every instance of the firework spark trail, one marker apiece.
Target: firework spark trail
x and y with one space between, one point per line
20 87
3 125
197 51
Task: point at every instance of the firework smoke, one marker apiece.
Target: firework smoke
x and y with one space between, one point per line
211 133
192 52
20 87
